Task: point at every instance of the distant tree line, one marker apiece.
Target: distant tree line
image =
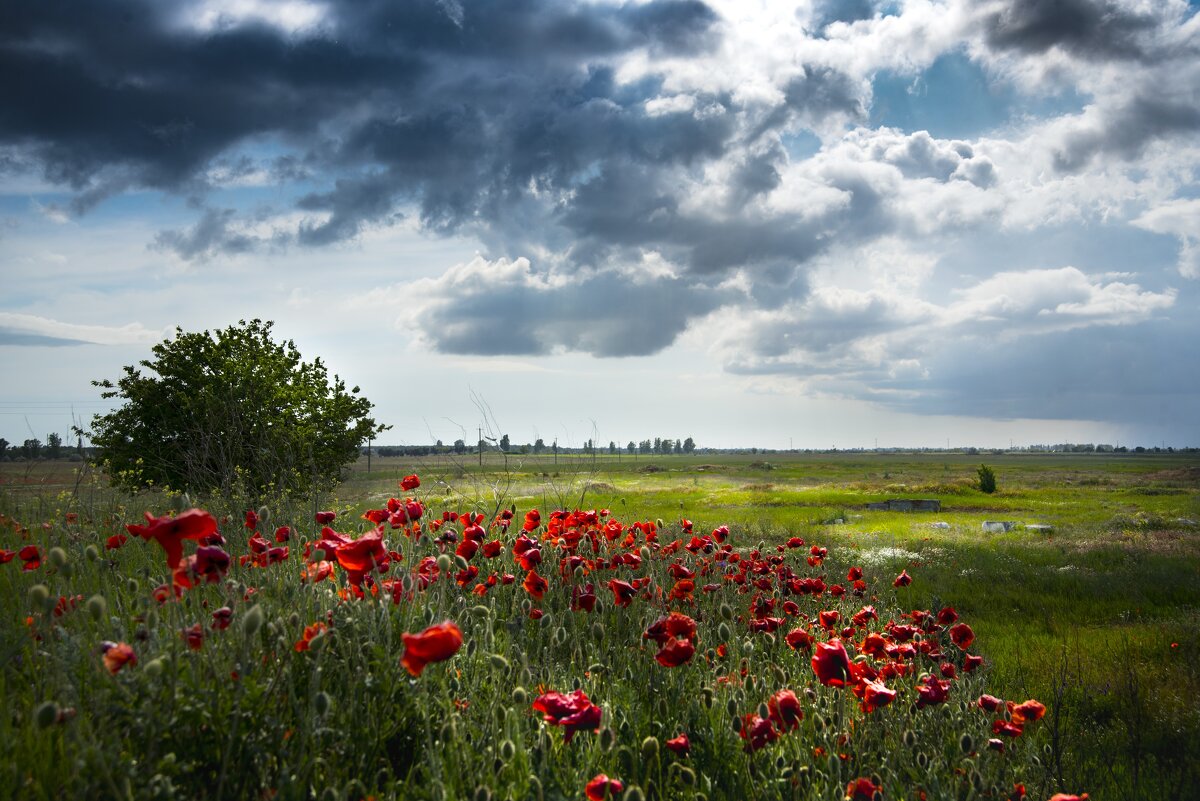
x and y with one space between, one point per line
34 448
658 445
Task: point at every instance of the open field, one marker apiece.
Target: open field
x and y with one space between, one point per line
1097 618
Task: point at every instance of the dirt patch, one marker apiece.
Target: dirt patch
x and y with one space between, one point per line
758 487
599 486
650 468
761 466
705 468
1189 476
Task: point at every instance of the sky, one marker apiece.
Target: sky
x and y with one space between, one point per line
814 224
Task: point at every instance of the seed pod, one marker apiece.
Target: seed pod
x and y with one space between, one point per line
910 738
92 553
57 556
724 633
321 703
445 563
731 707
154 667
597 630
499 662
481 611
735 725
520 696
763 710
39 595
46 714
650 748
725 611
97 607
966 744
253 620
608 739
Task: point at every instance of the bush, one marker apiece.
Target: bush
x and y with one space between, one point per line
230 410
987 479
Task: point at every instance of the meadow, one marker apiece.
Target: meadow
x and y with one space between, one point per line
331 671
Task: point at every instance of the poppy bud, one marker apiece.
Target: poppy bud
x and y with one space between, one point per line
732 709
596 668
634 793
429 612
764 711
481 611
253 620
97 607
644 552
922 760
910 738
39 595
132 585
507 750
597 630
519 695
461 562
650 748
482 793
735 724
535 784
154 668
499 662
687 776
264 514
445 563
748 646
966 744
526 605
724 632
608 739
706 697
92 553
294 619
546 619
318 641
46 715
321 702
625 760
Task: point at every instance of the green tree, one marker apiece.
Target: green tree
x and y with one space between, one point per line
689 445
460 446
230 410
3 447
539 445
32 448
505 444
53 446
987 479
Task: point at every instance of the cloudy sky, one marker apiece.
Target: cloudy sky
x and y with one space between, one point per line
819 223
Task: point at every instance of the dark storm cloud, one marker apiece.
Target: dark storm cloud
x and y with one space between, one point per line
1126 131
210 236
1091 29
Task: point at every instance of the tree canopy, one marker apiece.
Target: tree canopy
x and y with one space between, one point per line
230 410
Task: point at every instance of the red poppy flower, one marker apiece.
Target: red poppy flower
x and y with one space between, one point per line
573 711
799 638
873 695
583 599
251 519
117 655
6 556
1007 728
1028 711
434 644
602 787
1068 797
989 703
31 555
831 663
829 618
673 625
862 790
325 518
170 532
115 541
680 745
854 574
535 585
757 732
970 662
533 519
492 549
962 636
675 652
932 691
902 580
784 709
357 557
409 483
623 592
305 641
222 618
194 637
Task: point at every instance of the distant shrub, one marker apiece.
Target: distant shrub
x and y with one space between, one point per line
987 479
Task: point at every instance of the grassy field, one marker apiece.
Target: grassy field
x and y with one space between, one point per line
1097 617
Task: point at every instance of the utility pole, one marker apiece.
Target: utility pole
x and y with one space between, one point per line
479 433
556 451
369 441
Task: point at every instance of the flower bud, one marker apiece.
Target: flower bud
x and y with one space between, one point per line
253 620
97 607
321 703
649 747
39 595
46 715
92 553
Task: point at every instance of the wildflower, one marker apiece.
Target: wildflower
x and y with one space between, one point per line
115 541
902 580
117 655
680 745
1028 711
170 532
831 663
222 618
862 790
535 585
194 637
962 636
434 644
785 711
1068 797
310 633
622 591
873 695
325 518
675 652
932 691
757 732
573 711
409 483
602 787
31 555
